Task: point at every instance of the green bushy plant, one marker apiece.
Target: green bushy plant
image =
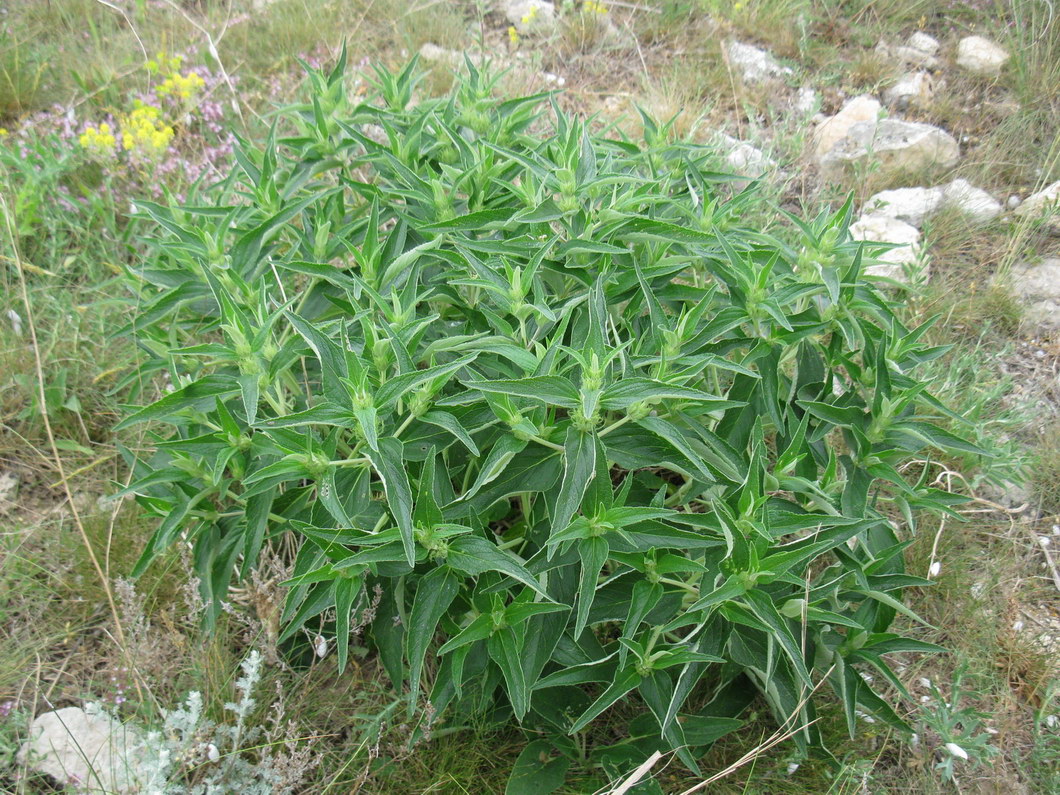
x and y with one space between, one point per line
533 407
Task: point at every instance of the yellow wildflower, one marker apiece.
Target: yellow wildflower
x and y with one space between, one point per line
145 131
530 15
98 140
3 132
182 87
513 35
163 64
594 7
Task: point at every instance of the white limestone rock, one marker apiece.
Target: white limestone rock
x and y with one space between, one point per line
1043 206
754 64
911 205
806 101
924 43
833 129
975 203
912 89
897 145
876 228
87 748
1038 286
915 205
981 56
906 55
531 16
744 159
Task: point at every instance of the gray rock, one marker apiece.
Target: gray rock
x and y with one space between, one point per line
914 205
911 205
897 145
912 89
806 101
884 229
531 16
973 202
8 489
87 748
1044 206
744 159
754 64
924 43
981 56
905 55
835 128
1038 287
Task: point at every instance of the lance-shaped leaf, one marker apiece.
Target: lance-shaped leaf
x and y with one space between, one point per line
505 649
623 682
387 461
624 393
347 589
579 466
446 421
474 555
196 396
593 553
553 390
434 593
400 385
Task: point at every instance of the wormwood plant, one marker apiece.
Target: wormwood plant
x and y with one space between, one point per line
533 406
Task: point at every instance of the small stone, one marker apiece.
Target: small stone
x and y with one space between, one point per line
884 229
1013 202
911 205
833 129
923 43
907 56
8 487
744 159
912 89
432 52
973 202
753 63
1038 286
897 145
531 16
1044 206
980 56
88 747
806 101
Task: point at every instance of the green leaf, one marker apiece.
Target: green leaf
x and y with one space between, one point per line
628 391
448 422
505 649
434 593
579 467
623 682
347 589
196 396
474 555
387 461
539 770
593 554
553 390
400 385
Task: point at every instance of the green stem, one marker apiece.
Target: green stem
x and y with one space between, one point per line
547 443
616 424
350 462
405 424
